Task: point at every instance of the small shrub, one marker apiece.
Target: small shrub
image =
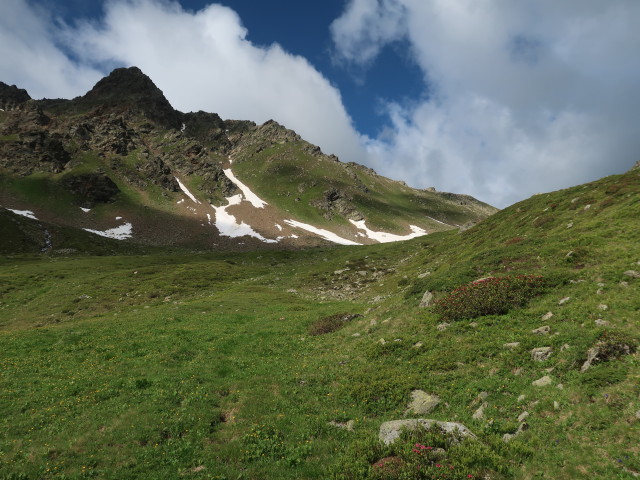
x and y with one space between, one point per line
612 345
490 296
331 323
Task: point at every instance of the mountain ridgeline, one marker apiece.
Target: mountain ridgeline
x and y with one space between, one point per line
122 163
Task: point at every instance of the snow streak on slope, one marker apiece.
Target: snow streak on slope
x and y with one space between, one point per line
228 226
24 213
326 234
186 191
249 196
119 233
384 237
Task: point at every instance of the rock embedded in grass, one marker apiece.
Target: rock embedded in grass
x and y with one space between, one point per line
541 354
422 403
390 431
427 300
542 330
542 382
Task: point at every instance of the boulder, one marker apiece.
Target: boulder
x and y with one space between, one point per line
427 300
390 431
542 330
542 382
422 402
541 354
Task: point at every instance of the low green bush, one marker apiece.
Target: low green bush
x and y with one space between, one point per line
489 296
331 323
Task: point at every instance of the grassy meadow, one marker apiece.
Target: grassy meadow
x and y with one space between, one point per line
170 365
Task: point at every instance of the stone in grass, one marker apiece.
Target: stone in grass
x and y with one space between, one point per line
348 426
603 307
542 382
542 330
511 345
523 416
390 431
541 354
427 300
601 323
632 273
443 326
547 316
564 300
479 413
422 403
507 437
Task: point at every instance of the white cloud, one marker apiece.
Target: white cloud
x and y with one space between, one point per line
30 58
523 96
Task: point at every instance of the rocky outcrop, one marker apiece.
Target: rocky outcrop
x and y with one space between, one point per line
128 89
91 188
390 431
336 202
12 96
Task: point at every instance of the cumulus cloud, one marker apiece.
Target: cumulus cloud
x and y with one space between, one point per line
523 96
201 60
30 58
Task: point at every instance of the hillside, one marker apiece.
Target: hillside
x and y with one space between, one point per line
121 162
286 364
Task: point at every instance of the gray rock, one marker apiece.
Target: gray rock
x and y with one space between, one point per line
479 413
390 431
560 386
422 403
603 307
592 354
511 345
427 300
523 416
507 437
564 347
443 326
547 316
564 300
542 382
556 405
521 398
542 330
632 273
541 354
418 344
348 426
601 323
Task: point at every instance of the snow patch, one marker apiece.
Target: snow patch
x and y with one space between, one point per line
119 233
228 226
384 237
278 227
85 210
431 218
24 213
118 218
249 196
186 191
180 201
183 127
326 234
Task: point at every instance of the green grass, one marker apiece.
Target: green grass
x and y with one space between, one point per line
176 365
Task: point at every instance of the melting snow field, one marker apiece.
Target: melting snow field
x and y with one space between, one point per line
119 233
326 234
24 213
246 191
186 191
384 237
228 226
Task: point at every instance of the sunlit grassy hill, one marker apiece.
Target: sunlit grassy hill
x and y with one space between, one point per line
203 365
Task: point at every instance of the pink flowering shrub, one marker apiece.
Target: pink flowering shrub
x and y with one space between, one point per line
489 296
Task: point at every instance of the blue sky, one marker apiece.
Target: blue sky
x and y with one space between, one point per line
499 99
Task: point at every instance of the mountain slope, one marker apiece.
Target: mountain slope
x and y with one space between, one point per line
126 157
256 364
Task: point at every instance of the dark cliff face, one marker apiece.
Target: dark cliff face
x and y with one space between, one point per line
130 89
12 96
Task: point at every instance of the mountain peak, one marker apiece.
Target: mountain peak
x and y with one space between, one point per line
131 88
11 96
